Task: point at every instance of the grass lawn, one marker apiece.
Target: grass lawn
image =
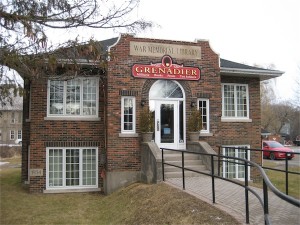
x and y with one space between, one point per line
135 204
278 179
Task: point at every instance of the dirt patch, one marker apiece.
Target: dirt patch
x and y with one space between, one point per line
10 151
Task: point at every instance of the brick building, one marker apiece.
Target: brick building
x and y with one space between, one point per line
11 121
83 134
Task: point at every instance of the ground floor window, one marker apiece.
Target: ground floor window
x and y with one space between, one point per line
12 135
233 168
72 168
203 106
19 134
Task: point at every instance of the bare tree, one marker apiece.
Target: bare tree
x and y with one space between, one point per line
24 44
268 98
296 90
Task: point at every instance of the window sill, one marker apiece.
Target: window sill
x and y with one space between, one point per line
128 135
73 118
206 134
236 120
49 191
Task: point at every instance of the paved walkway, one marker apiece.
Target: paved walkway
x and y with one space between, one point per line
231 198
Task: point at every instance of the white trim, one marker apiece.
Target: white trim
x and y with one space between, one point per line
113 45
68 116
75 118
235 120
207 130
72 190
123 131
125 135
235 101
252 71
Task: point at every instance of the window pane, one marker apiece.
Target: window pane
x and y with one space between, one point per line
229 164
235 168
89 167
89 97
55 167
241 101
128 116
203 107
56 97
165 89
229 109
73 97
72 167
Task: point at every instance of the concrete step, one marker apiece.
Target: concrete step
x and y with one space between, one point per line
178 157
197 167
186 162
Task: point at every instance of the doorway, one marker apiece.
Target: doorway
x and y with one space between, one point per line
166 100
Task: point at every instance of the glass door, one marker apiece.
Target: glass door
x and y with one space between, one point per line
169 124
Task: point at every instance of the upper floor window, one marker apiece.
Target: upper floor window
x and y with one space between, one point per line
235 101
76 97
128 115
13 118
203 106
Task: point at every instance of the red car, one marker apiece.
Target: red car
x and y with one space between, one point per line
275 150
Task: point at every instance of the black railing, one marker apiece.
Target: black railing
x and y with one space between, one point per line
247 163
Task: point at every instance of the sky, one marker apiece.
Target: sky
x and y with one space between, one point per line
261 32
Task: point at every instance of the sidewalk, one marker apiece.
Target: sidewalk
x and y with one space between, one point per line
231 198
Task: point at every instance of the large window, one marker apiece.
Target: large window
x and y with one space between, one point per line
203 106
233 168
76 97
235 101
128 115
71 168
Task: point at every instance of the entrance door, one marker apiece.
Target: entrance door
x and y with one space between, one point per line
169 126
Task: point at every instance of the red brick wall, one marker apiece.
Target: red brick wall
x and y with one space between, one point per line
124 153
57 133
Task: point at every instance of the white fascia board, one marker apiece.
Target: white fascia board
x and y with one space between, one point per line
262 74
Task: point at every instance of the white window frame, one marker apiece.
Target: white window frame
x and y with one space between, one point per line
207 114
81 115
235 117
19 134
133 130
64 186
236 148
12 135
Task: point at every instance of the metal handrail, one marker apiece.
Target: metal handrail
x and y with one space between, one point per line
266 181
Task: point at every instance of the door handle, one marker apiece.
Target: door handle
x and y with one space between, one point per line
157 125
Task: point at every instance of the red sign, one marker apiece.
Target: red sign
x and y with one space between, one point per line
166 70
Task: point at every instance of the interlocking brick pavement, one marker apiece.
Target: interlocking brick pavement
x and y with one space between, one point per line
231 198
